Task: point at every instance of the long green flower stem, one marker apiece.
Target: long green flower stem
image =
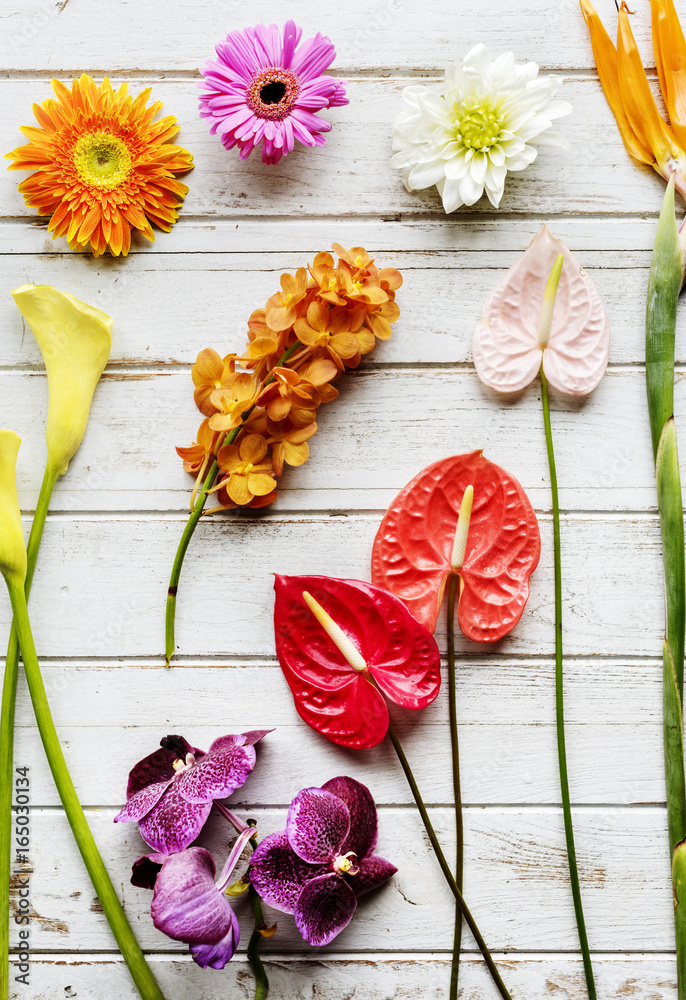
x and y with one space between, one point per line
195 516
664 286
9 694
133 956
459 826
445 867
559 701
261 980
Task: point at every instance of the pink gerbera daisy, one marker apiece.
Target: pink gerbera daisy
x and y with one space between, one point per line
262 88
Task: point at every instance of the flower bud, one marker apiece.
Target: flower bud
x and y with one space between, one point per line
12 546
75 341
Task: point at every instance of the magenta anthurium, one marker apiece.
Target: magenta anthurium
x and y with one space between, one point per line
324 860
171 792
342 645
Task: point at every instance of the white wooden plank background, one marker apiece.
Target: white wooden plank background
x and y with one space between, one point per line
99 590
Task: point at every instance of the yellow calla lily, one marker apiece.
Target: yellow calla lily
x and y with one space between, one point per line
75 340
12 546
646 135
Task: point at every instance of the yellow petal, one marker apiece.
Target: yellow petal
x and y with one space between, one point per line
253 448
260 484
238 489
605 56
75 340
12 546
208 367
670 58
639 103
295 454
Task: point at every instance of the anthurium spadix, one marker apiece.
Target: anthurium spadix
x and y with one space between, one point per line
75 340
514 338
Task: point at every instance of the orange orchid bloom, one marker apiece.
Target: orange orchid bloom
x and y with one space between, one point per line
194 457
325 275
330 331
297 394
211 372
647 136
281 308
379 319
232 401
249 475
291 446
357 257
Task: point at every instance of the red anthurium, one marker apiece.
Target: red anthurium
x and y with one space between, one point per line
341 643
494 552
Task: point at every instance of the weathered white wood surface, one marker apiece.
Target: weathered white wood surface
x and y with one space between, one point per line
99 591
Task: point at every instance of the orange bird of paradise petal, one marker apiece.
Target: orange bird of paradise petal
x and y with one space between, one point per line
103 166
646 135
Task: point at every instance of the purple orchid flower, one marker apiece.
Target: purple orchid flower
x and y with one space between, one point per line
171 792
324 859
188 905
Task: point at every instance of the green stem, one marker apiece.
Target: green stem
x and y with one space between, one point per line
261 980
662 301
445 867
133 956
559 701
457 795
9 694
195 516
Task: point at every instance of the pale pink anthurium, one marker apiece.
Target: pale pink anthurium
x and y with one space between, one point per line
515 335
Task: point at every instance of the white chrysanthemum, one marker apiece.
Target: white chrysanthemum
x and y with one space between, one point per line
466 140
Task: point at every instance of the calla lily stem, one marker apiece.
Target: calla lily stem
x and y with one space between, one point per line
559 701
133 956
195 516
9 694
459 825
445 867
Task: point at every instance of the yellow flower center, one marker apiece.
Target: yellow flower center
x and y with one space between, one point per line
477 125
243 468
102 160
345 864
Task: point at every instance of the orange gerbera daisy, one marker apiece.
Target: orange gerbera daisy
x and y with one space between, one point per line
102 165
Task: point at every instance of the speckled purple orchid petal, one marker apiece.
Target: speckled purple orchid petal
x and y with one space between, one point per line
221 771
277 873
372 873
140 804
186 905
364 830
174 823
216 956
254 736
317 825
145 870
159 766
324 908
